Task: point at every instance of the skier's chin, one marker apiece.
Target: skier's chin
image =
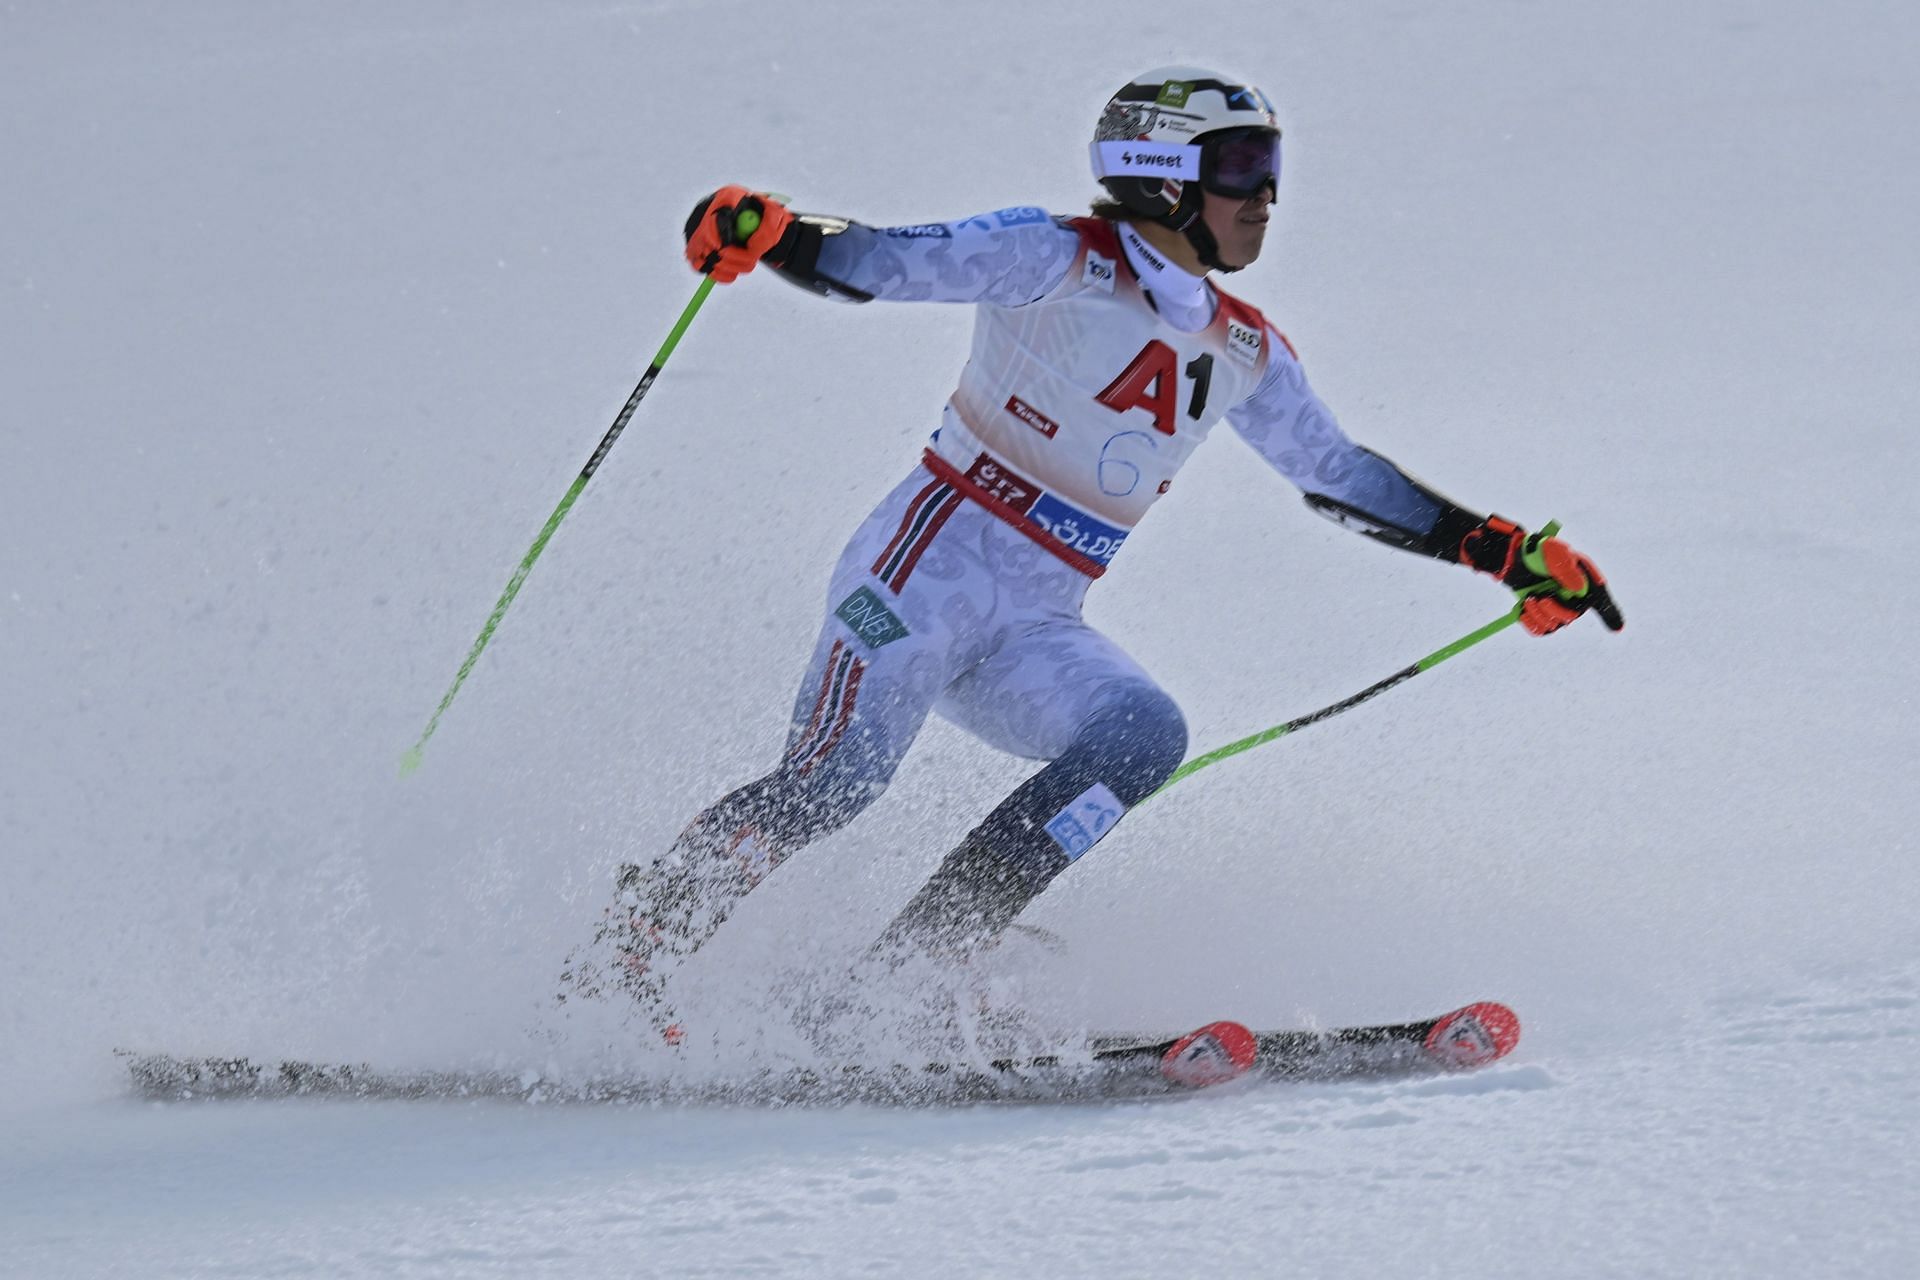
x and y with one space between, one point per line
1246 249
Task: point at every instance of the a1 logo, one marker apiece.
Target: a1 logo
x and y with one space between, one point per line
1151 383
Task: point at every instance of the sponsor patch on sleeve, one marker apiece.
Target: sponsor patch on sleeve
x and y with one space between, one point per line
922 231
1087 817
1021 215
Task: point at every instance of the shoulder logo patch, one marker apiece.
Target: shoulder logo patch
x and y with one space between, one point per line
1243 342
1098 273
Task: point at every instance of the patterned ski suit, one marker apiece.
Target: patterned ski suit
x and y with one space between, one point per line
1097 368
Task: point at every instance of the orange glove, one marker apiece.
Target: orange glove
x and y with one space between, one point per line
1561 584
732 229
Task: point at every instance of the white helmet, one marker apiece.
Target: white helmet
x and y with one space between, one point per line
1176 132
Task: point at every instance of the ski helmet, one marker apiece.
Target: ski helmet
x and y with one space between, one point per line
1176 132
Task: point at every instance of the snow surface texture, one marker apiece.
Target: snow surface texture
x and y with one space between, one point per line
310 315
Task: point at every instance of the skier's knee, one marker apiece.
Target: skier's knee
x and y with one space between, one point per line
1119 756
822 799
1138 739
822 788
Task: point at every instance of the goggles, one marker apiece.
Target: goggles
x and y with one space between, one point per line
1240 162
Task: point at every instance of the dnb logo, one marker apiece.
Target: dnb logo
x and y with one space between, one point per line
1174 93
869 619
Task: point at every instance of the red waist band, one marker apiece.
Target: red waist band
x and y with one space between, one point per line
946 471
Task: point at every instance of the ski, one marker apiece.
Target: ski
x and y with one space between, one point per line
1458 1040
1109 1067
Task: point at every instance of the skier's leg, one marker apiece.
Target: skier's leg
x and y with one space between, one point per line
1067 694
851 726
905 610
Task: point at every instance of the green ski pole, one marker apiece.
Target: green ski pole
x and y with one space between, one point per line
1401 676
745 222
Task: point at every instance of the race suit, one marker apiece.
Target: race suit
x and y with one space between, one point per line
1097 367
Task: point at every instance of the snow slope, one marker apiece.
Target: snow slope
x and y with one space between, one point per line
309 314
1665 1160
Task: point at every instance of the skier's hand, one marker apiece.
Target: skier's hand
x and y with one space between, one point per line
732 229
1558 582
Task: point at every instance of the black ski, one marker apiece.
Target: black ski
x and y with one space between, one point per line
1110 1067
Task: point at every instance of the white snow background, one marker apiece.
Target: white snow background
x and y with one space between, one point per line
310 313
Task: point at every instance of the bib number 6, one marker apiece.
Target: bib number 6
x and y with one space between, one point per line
1118 476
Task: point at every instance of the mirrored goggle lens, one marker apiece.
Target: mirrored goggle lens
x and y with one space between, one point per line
1243 165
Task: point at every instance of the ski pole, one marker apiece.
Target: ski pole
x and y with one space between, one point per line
746 220
1401 676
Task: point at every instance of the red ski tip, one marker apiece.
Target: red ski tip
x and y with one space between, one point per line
1474 1036
1214 1054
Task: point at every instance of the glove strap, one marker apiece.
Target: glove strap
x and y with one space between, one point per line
1492 546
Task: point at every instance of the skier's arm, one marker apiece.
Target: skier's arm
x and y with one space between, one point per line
1289 426
1008 257
1292 428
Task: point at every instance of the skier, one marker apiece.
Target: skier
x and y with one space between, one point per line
1103 353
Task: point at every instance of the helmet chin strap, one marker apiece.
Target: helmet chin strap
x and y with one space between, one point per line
1194 228
1205 245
